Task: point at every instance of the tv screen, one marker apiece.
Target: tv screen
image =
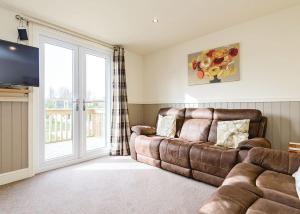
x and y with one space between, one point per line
19 65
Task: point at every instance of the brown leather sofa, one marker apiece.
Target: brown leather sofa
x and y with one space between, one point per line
192 152
263 184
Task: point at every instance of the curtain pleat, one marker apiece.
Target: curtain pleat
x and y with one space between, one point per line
120 128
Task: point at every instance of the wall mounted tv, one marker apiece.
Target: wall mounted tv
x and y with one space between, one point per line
19 65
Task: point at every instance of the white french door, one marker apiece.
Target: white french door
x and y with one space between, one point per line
74 100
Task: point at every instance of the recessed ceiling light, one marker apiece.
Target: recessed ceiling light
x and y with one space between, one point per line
155 20
12 48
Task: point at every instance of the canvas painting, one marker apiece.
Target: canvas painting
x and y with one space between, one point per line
214 65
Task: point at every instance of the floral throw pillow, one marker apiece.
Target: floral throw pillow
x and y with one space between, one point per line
166 126
296 175
231 133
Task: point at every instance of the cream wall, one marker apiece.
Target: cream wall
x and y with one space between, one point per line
270 68
8 25
133 61
134 76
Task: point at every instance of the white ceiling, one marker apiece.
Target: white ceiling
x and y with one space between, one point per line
129 22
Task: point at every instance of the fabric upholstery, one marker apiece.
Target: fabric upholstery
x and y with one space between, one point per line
166 126
296 175
231 133
179 113
236 114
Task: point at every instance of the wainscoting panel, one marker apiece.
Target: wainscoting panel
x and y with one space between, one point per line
13 136
283 117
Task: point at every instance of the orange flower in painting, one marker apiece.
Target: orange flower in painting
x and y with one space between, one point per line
200 74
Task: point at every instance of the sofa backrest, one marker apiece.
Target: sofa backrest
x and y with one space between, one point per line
200 124
254 115
275 160
179 113
197 124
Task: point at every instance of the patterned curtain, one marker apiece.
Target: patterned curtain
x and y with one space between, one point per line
120 129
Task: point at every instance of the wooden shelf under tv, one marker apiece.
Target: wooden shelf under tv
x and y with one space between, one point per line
15 90
14 94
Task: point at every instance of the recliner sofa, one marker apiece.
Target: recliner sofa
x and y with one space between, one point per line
263 184
192 152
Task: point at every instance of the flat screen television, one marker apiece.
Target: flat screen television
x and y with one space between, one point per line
19 64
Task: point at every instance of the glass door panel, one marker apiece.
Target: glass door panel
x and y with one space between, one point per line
58 101
94 94
73 103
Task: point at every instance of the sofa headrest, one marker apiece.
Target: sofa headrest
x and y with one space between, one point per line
237 114
199 113
178 112
276 160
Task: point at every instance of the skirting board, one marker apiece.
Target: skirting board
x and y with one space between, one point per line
17 175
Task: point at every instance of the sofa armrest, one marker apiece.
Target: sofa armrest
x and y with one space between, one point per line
143 130
254 142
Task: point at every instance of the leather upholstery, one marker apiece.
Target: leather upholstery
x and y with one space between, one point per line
132 146
267 206
143 130
229 200
275 160
217 161
196 124
176 151
267 175
148 146
254 142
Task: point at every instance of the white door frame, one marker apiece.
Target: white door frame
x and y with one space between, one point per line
82 94
79 153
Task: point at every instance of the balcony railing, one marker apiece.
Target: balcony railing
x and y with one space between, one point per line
58 124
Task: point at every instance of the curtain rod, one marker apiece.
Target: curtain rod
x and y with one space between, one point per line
63 30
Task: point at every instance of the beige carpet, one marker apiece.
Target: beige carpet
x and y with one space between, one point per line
105 186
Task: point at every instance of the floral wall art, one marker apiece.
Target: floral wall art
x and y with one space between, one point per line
214 65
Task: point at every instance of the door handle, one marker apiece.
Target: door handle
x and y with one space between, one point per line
76 104
83 105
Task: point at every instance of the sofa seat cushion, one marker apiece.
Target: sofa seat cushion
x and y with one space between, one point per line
266 206
245 173
176 151
213 160
229 200
148 146
278 187
278 182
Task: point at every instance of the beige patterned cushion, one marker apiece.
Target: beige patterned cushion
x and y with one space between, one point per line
166 126
231 133
296 175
